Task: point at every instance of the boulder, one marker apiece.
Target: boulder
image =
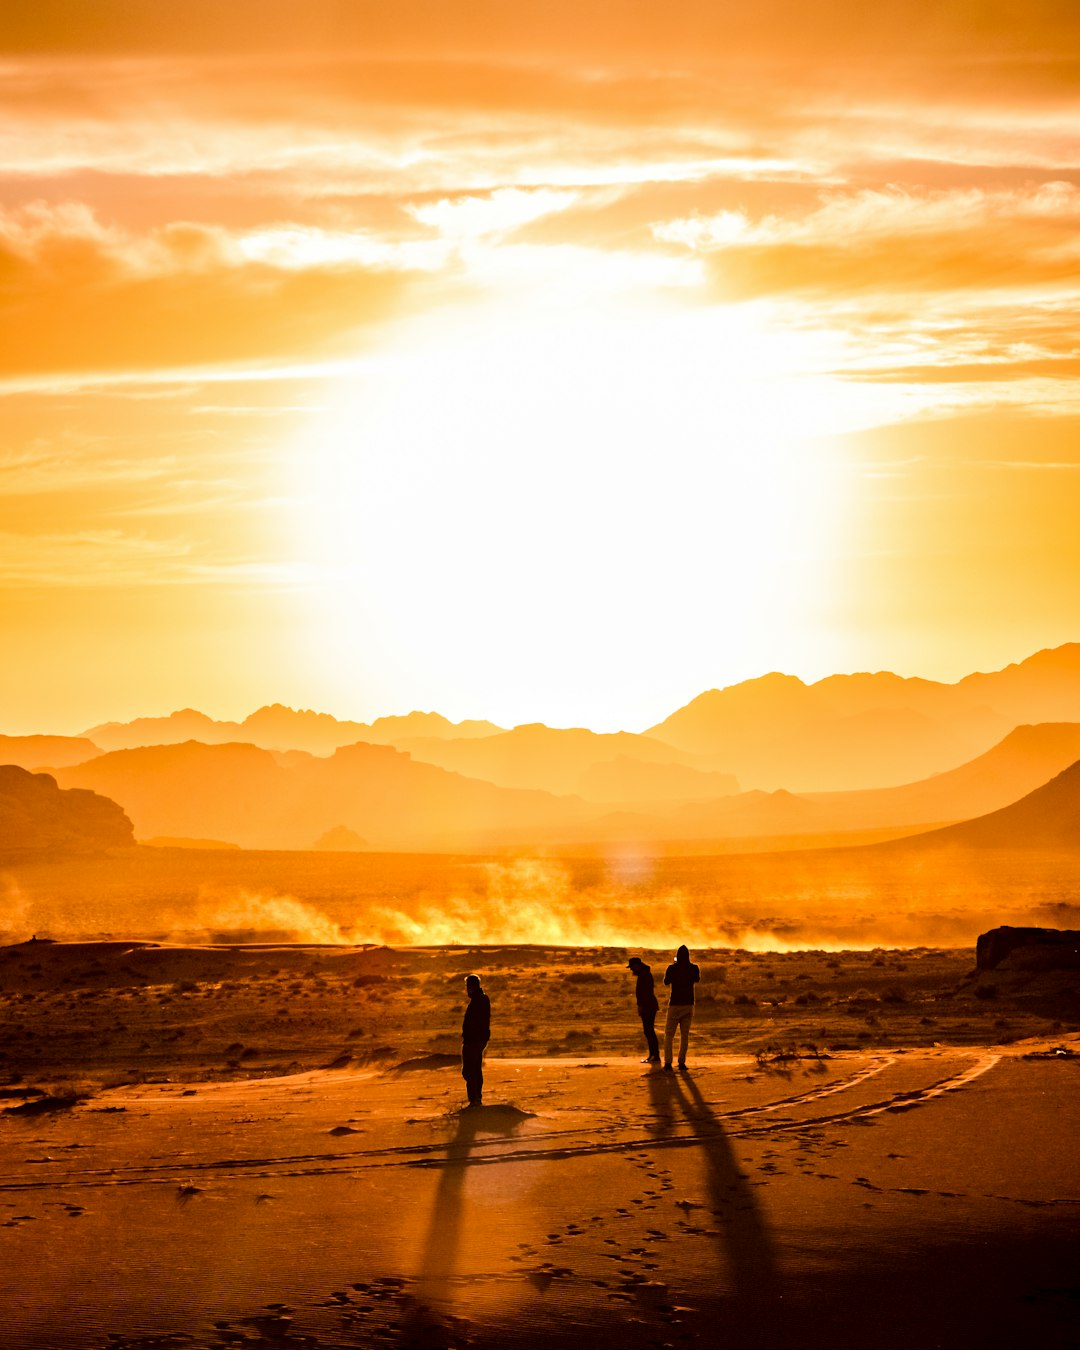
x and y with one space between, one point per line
1042 948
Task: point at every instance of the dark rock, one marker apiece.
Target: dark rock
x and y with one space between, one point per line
37 817
1042 948
40 1106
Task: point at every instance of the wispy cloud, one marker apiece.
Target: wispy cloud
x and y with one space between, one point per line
103 558
82 296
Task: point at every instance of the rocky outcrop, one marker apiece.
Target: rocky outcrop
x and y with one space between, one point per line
1044 948
39 818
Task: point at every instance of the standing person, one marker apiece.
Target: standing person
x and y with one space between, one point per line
647 1005
475 1034
681 977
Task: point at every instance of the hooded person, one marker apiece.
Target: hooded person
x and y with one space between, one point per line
680 977
475 1034
647 1006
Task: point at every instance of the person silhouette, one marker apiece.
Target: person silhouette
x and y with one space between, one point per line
647 1006
680 977
475 1034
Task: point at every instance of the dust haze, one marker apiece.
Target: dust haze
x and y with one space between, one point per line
774 902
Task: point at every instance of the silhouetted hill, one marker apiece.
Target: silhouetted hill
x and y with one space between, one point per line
244 794
627 779
868 730
37 816
615 767
1022 761
1044 688
394 730
277 727
340 840
46 752
1048 818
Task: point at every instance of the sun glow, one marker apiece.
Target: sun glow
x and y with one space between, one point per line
594 466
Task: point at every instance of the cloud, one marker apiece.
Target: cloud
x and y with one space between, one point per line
893 241
74 463
496 213
79 295
95 558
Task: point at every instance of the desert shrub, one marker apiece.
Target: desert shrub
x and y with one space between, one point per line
744 1001
583 977
986 991
894 995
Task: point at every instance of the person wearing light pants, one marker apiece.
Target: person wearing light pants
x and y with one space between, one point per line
680 978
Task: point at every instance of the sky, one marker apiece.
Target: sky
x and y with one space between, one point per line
527 362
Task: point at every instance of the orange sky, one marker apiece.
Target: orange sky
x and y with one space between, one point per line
531 362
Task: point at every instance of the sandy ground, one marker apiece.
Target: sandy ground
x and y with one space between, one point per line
913 1194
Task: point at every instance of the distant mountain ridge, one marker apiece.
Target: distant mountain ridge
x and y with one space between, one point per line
243 794
46 752
844 733
1048 818
277 727
868 730
367 796
603 767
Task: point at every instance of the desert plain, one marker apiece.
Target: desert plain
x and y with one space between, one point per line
229 1135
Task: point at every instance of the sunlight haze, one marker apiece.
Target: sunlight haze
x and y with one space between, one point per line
530 364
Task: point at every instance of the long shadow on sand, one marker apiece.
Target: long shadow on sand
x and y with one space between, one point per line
438 1262
744 1238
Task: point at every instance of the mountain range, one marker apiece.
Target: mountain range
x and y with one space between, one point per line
432 784
1048 818
276 727
845 732
868 730
380 797
257 798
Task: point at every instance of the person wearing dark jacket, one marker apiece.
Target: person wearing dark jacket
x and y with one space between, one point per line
475 1034
681 977
647 1005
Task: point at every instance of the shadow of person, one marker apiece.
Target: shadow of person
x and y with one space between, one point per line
755 1303
442 1241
